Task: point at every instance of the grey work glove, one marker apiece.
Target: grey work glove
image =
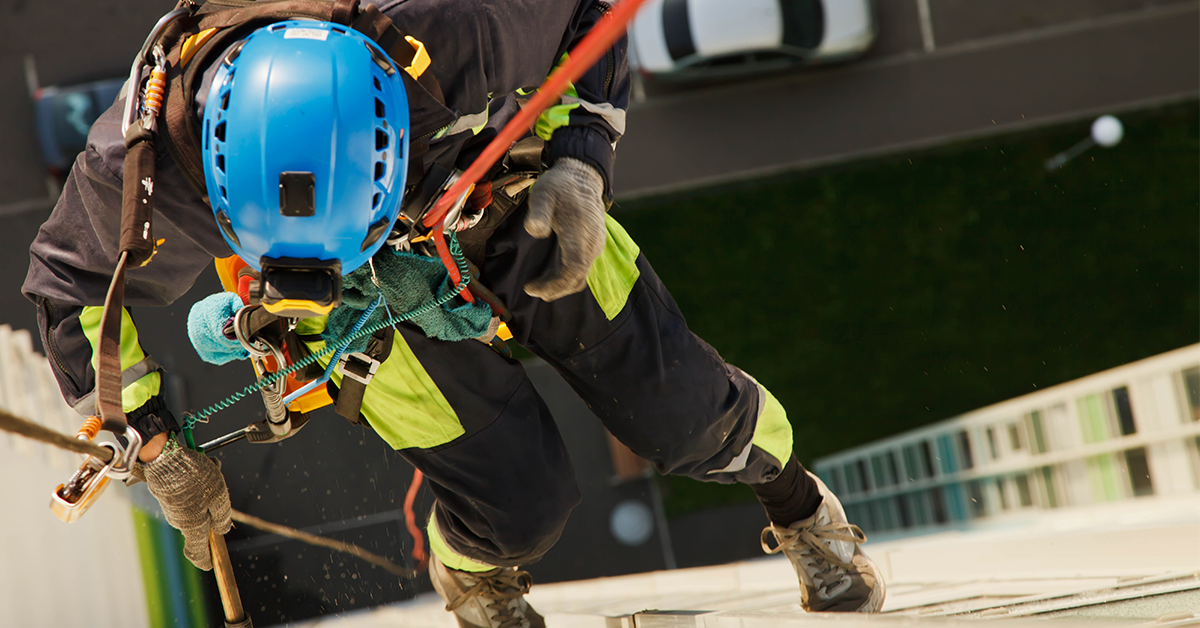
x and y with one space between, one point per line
192 492
568 200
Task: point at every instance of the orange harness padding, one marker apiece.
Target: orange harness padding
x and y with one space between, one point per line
227 270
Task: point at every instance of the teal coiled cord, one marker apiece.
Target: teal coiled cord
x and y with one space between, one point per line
190 420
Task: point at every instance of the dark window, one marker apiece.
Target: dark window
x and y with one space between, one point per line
1023 492
836 475
861 467
991 436
902 511
1191 390
1003 498
964 444
939 505
1124 411
891 467
853 479
1139 472
1014 436
912 470
926 458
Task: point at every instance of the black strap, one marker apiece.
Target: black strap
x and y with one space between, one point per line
350 393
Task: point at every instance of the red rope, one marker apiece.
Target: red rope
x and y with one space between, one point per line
410 521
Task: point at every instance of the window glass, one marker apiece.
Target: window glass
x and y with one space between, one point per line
991 438
1023 493
1048 486
901 505
926 458
1038 437
1000 488
893 472
878 471
1014 437
853 481
861 466
937 504
964 449
1093 418
1139 472
1124 411
975 502
1191 391
945 454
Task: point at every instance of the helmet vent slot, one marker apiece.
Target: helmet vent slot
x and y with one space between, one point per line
379 108
224 101
380 170
221 163
377 85
338 29
219 132
375 200
381 139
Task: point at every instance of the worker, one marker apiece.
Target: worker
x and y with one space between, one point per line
316 146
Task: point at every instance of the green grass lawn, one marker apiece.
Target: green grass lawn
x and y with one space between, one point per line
877 297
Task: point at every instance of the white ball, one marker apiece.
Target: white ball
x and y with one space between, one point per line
631 522
1107 131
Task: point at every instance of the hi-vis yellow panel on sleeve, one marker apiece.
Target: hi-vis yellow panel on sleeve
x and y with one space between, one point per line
612 277
139 392
401 403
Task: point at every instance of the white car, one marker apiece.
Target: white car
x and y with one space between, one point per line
702 38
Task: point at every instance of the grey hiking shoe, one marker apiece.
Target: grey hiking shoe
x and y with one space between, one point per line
835 574
490 599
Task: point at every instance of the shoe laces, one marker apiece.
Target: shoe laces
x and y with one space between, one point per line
499 589
812 545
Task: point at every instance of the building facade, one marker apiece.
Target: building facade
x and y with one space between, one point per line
1125 433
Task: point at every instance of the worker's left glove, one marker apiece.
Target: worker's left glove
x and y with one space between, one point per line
568 200
192 492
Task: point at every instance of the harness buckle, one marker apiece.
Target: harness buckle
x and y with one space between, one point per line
359 367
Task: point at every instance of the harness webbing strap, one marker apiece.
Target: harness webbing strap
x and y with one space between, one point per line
108 367
137 205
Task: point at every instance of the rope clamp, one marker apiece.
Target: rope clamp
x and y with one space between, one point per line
73 498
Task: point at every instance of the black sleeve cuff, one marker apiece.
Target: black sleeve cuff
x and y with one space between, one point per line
152 419
587 145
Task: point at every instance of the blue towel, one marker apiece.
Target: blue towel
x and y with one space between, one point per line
205 322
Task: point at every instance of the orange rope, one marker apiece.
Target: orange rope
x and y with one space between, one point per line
410 521
582 57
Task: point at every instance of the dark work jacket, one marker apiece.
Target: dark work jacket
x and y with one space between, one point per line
484 52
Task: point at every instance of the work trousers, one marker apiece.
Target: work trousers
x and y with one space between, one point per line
472 422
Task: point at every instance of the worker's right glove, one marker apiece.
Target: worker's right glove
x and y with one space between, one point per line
567 199
206 324
192 492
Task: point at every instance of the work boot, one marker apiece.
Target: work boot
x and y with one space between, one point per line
835 574
489 599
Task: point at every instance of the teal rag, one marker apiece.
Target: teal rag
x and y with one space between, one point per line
409 281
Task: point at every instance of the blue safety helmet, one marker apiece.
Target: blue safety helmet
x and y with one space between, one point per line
305 147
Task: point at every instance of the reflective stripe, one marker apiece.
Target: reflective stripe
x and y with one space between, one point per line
773 431
138 386
449 557
472 122
612 277
737 464
86 405
402 403
613 116
556 117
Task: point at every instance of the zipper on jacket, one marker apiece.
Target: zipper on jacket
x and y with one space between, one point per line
46 340
610 61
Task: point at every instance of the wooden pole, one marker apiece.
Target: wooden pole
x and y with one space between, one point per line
235 615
